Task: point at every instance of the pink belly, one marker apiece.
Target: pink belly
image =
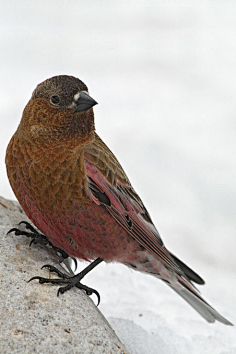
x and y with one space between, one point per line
85 233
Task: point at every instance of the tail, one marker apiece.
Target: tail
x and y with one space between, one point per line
189 294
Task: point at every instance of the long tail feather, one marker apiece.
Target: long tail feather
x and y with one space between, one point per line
199 304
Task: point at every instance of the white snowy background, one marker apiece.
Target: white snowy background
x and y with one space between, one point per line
164 74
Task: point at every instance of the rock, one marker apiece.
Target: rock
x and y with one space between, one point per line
33 319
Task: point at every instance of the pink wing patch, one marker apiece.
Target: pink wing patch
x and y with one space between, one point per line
129 213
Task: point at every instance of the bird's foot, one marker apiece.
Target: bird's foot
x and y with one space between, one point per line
68 281
37 238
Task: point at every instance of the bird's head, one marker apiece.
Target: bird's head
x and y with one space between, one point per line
60 108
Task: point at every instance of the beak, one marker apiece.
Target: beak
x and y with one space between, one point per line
84 102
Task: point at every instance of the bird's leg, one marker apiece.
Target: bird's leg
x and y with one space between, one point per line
37 238
70 282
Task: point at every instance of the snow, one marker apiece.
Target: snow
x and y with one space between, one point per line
164 75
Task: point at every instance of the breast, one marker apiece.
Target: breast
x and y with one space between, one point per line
49 176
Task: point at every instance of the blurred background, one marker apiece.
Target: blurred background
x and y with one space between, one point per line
164 75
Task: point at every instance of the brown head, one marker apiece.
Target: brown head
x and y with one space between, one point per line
60 109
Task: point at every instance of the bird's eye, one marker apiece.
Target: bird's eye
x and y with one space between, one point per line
55 99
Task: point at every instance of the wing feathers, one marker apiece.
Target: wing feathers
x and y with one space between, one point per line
109 186
120 205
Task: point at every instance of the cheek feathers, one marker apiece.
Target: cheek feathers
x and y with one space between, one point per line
40 119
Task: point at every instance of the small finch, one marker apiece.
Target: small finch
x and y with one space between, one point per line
77 194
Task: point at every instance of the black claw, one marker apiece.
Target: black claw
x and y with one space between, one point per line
38 238
34 234
17 232
53 269
68 281
63 289
40 279
89 291
46 280
29 227
76 263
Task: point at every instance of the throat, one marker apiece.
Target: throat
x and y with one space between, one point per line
82 126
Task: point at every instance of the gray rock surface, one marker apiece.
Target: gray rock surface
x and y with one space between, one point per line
32 318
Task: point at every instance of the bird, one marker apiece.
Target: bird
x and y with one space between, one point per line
74 190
